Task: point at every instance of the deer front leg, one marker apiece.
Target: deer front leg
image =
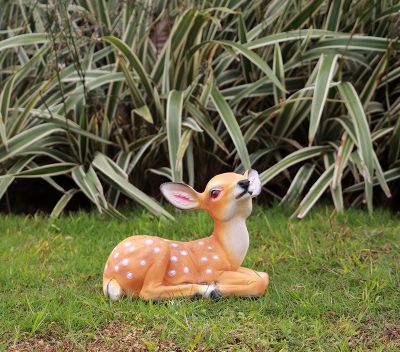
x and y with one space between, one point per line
248 271
154 286
243 283
161 291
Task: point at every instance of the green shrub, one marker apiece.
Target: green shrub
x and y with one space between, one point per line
102 91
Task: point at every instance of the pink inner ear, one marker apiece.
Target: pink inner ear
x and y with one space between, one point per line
182 196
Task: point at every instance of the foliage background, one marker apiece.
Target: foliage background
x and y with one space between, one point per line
110 98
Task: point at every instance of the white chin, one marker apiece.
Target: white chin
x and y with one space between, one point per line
243 197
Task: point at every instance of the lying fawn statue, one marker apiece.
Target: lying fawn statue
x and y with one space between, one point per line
154 268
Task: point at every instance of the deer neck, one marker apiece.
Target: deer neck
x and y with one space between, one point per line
234 238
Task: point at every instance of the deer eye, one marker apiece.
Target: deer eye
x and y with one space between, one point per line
215 193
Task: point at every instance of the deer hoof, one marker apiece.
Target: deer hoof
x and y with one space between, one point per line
215 294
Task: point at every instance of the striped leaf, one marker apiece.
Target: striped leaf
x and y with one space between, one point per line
297 185
24 39
231 125
315 193
292 159
106 168
25 139
63 202
174 127
326 70
363 135
46 170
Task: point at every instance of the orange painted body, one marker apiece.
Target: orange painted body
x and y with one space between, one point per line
154 268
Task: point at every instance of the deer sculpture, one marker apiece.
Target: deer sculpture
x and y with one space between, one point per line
155 268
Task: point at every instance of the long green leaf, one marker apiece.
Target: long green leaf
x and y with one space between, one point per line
7 179
326 70
174 127
46 170
389 175
363 135
25 139
63 202
105 167
297 185
292 159
231 125
315 193
255 59
24 39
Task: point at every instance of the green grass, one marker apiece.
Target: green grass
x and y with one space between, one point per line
334 285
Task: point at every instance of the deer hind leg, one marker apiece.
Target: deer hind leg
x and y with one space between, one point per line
112 289
243 283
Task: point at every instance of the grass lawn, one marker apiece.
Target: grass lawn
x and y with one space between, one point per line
334 285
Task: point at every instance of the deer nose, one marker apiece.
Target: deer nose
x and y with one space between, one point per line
244 184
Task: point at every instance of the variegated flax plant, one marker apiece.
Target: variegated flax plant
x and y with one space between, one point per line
108 92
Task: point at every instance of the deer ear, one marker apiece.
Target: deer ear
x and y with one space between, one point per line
180 195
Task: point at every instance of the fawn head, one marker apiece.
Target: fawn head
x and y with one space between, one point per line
225 196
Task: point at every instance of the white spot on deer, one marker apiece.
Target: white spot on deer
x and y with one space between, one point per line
142 262
208 271
131 249
127 243
210 248
172 272
174 258
203 259
125 262
185 269
174 245
184 252
201 243
156 250
149 241
215 257
129 276
116 268
116 255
